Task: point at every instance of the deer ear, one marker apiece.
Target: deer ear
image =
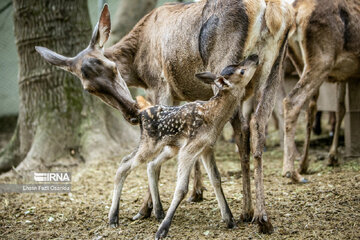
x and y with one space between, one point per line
206 77
53 57
102 29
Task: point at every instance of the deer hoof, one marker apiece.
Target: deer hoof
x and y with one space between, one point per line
264 224
295 177
266 227
231 223
247 216
196 197
288 174
303 180
333 161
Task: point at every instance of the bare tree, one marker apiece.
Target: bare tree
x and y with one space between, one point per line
58 122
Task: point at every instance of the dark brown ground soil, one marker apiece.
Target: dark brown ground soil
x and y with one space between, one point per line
328 207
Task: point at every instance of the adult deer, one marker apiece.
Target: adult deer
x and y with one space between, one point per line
169 45
324 47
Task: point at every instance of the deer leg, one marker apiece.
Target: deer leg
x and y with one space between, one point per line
306 87
340 113
186 160
332 123
208 159
310 116
242 139
153 171
198 187
259 120
257 129
278 112
128 164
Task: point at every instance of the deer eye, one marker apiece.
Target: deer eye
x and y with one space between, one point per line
242 72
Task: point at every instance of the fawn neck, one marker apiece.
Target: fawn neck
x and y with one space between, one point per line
220 108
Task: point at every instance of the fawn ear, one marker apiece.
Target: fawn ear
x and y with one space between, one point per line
143 104
54 58
102 29
206 77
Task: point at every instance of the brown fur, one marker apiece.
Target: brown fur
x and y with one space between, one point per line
172 43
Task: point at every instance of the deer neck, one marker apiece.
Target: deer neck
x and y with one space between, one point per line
123 54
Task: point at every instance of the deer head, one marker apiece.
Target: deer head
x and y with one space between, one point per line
233 76
99 75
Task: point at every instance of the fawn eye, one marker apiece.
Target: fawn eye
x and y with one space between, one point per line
242 72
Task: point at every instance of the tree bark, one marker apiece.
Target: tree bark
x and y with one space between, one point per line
58 122
128 13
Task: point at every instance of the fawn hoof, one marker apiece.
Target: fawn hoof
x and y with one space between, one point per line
143 213
264 224
162 233
114 225
114 222
196 196
139 216
163 230
160 215
247 216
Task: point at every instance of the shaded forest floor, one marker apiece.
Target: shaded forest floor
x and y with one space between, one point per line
328 207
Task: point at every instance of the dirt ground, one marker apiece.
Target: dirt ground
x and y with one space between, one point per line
328 207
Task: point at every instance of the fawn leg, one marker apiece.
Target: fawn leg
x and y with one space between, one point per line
121 174
153 170
198 187
208 159
146 207
128 164
186 159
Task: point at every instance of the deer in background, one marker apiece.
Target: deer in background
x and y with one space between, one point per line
173 42
324 47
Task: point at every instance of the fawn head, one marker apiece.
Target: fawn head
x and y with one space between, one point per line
232 76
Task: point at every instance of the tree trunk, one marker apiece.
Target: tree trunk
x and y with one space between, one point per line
128 13
58 122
